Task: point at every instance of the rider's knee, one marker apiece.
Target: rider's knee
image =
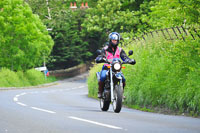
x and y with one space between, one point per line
103 78
103 75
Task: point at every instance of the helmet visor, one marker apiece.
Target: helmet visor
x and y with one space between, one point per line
114 37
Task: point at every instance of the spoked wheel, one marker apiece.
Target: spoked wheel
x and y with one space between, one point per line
117 102
104 105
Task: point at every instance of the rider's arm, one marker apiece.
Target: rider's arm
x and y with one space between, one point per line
123 55
125 58
101 58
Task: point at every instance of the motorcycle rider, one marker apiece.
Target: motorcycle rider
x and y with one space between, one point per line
109 53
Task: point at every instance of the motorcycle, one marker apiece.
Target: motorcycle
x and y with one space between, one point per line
113 89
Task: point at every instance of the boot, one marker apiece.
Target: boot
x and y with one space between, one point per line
101 86
124 84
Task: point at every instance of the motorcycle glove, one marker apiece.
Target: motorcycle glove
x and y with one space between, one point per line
130 61
100 59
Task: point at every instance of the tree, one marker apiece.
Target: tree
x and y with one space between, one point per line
108 17
70 48
169 13
24 40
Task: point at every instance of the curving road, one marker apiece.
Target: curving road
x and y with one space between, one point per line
65 108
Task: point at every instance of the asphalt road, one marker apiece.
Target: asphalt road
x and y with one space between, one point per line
65 108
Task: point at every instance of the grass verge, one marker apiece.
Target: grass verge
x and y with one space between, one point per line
166 76
31 77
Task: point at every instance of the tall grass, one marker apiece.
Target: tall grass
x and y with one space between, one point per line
92 80
166 75
21 79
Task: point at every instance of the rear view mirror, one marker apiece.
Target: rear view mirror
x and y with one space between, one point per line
130 53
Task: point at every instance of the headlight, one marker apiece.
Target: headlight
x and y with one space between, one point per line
117 66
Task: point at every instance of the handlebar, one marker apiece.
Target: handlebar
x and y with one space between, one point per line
104 60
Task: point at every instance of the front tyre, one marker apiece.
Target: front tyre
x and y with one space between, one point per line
117 102
104 105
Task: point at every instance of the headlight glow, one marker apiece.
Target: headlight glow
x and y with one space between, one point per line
117 66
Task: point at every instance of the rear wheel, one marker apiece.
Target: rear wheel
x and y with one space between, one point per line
117 102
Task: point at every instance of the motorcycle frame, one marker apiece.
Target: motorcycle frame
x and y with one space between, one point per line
112 84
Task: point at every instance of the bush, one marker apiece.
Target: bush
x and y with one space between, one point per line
166 75
92 80
35 77
9 78
23 79
31 77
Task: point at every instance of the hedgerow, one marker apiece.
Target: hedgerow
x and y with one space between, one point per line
166 75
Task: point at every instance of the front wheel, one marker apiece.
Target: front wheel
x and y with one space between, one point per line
117 102
104 105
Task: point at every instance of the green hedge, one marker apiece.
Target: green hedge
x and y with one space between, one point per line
166 75
31 77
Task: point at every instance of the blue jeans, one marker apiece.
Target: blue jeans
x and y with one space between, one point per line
103 76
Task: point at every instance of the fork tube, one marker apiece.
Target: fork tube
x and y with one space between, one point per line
121 84
111 84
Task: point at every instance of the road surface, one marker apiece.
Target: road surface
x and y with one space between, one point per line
66 108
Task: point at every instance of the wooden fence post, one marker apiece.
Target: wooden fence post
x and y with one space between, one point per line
169 34
163 33
151 34
175 32
157 33
184 30
197 33
180 33
143 37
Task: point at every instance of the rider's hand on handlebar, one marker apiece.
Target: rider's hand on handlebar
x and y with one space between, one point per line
101 59
105 60
130 61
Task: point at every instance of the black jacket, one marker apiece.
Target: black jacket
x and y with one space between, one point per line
123 55
112 50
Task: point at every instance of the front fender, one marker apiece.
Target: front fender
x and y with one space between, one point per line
118 75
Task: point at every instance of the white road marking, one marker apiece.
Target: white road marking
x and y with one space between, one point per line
52 112
81 86
44 110
15 99
94 122
22 94
73 88
22 104
17 95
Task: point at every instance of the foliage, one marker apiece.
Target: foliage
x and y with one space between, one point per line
92 80
166 75
35 77
70 46
24 40
21 79
10 78
170 13
107 17
85 31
